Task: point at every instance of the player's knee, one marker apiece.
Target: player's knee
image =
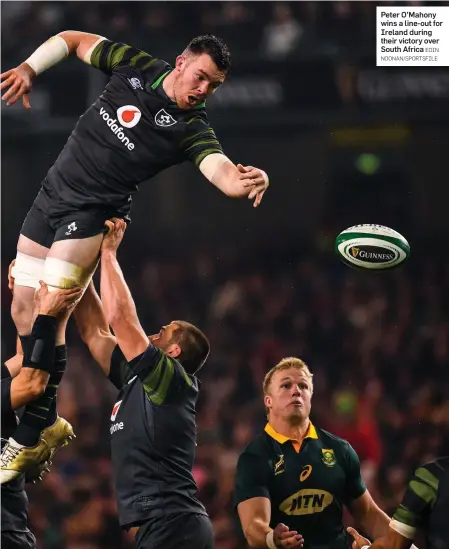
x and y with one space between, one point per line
22 309
63 274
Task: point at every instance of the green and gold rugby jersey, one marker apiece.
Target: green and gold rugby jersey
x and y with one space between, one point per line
153 437
132 132
307 483
425 505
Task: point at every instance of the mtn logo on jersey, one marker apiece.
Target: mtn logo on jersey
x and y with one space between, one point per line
116 129
129 116
115 410
164 119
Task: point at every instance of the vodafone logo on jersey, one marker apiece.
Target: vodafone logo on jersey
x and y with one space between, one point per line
115 410
129 116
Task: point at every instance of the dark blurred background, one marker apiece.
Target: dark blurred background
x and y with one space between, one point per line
344 142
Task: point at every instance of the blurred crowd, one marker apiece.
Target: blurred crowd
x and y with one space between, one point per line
272 30
377 344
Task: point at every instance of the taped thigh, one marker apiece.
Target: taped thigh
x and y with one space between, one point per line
63 274
28 270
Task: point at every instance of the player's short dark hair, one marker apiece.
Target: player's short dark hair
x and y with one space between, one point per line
194 346
213 46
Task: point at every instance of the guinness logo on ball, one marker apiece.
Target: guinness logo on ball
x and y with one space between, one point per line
372 254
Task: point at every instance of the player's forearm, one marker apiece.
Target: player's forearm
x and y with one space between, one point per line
118 303
59 47
256 534
26 387
376 523
89 315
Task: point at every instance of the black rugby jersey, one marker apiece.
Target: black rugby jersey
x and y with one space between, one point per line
425 504
132 132
153 438
14 505
307 483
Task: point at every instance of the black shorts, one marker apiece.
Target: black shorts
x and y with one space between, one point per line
51 219
18 540
176 532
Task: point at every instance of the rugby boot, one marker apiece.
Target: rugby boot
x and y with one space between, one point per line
17 459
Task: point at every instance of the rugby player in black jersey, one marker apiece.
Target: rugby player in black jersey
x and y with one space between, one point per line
18 390
153 427
150 116
424 509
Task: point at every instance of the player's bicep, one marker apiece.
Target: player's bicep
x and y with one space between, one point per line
355 485
199 143
107 56
254 511
419 498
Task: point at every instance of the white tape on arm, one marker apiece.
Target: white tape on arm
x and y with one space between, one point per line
211 163
405 530
88 55
50 53
270 541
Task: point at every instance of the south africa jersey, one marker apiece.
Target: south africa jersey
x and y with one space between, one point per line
307 483
132 132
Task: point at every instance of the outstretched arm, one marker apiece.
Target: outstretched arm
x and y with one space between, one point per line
18 81
94 329
118 303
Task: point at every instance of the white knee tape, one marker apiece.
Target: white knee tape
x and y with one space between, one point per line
62 274
28 270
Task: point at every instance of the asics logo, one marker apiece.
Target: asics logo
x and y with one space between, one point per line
116 129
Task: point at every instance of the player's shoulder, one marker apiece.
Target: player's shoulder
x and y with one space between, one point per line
258 447
433 470
333 441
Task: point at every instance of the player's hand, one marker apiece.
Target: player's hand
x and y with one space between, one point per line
58 302
284 537
18 84
114 236
255 180
359 541
10 276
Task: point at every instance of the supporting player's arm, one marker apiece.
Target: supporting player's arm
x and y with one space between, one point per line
252 498
94 328
369 515
118 303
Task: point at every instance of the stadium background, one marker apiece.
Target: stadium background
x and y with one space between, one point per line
344 142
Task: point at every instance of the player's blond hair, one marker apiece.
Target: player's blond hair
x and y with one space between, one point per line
285 364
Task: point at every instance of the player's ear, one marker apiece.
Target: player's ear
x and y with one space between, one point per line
174 350
267 401
180 62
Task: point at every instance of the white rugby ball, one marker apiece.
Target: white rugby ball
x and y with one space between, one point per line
373 247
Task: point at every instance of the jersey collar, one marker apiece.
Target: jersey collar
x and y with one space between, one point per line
311 433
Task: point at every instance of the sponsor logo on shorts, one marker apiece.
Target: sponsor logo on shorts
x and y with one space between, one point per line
71 228
371 254
116 129
164 119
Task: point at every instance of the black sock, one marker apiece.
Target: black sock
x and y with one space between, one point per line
41 413
55 380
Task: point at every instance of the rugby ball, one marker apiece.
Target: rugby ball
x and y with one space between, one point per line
373 247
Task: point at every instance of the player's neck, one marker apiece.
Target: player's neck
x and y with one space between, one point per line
296 431
168 85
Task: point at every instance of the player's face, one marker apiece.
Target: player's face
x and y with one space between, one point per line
290 395
164 339
198 78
